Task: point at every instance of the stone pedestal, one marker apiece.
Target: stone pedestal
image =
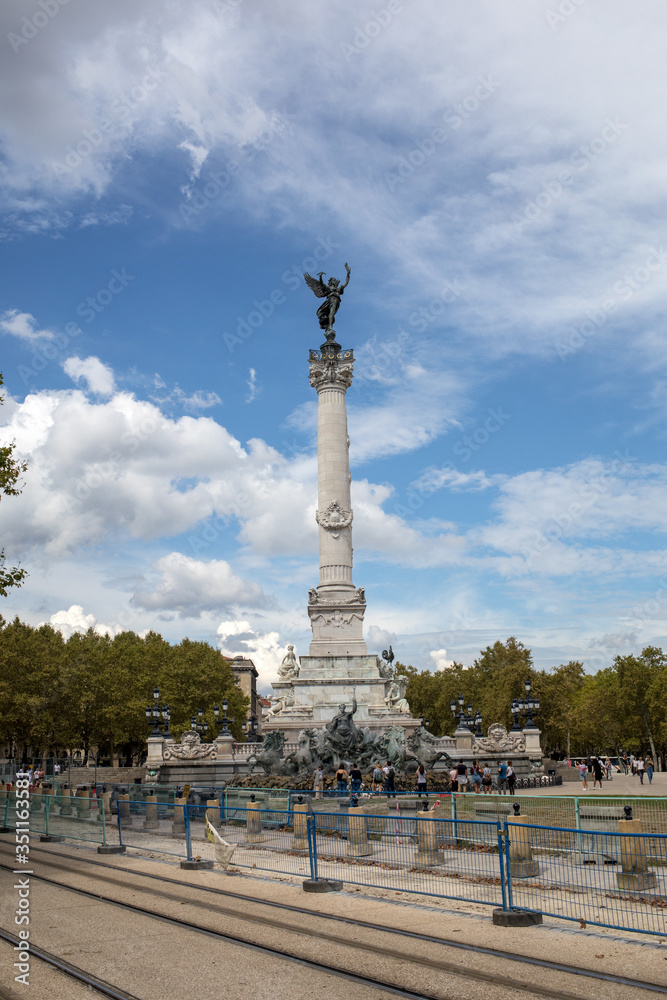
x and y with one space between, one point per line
522 864
300 838
531 736
635 873
83 803
154 756
151 821
357 843
464 739
428 852
254 833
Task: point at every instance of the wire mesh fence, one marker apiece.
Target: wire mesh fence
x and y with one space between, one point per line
56 814
610 879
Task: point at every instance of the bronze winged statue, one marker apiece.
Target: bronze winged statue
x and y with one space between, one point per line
332 292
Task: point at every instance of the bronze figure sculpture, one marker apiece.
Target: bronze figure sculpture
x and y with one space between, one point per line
332 292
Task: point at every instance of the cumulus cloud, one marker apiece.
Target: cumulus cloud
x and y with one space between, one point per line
440 660
75 620
98 376
265 649
189 586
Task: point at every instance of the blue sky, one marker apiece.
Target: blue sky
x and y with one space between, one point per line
494 174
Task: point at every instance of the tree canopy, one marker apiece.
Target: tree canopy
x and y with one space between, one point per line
11 470
92 690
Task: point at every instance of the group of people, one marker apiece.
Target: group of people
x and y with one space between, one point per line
479 778
598 768
384 779
35 775
641 766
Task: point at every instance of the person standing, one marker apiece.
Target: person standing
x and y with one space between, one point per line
487 780
378 779
341 780
355 776
318 782
624 763
389 777
454 779
56 770
583 774
462 776
502 779
511 777
476 777
421 781
641 768
597 772
649 769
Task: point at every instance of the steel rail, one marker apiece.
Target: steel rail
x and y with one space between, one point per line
73 971
420 962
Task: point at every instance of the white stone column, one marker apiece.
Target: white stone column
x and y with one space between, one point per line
336 607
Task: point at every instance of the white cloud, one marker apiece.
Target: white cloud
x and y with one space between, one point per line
22 325
189 586
440 660
94 372
265 649
75 620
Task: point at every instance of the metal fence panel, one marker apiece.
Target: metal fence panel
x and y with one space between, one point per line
274 840
618 880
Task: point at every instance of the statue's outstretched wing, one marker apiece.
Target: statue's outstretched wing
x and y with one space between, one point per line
317 285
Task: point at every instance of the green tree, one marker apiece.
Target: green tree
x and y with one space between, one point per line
559 691
641 684
11 470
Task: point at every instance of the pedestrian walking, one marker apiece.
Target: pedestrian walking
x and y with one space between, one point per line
341 780
624 763
56 770
421 781
454 779
641 768
476 774
597 772
502 779
318 782
355 777
649 769
389 777
487 780
378 779
511 777
607 769
583 774
633 764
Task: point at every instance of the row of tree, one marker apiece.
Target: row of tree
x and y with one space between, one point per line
621 707
92 691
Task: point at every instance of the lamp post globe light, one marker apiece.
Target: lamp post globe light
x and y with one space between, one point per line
154 712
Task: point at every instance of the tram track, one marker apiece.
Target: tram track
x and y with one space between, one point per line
318 927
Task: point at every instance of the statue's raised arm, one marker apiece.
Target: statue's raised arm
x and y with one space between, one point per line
332 292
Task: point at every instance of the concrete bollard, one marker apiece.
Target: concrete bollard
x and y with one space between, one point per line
123 803
82 802
635 873
254 833
428 852
103 807
65 802
357 842
300 838
213 812
522 864
151 821
178 823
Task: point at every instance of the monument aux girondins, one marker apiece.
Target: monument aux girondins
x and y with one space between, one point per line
338 670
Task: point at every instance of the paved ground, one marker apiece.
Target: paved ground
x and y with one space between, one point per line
619 785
